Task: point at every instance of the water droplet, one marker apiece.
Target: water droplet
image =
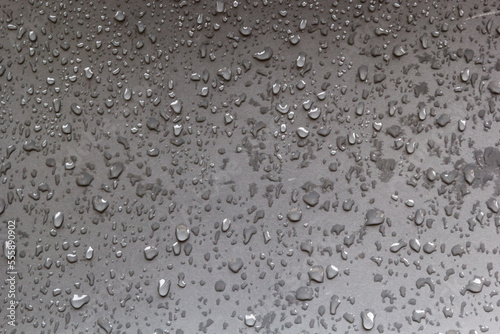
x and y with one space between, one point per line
84 179
58 219
334 304
76 108
399 51
226 224
105 324
163 287
245 30
99 203
220 286
304 293
250 320
235 265
150 252
264 55
368 319
374 217
316 273
331 271
119 16
77 301
494 87
363 72
182 233
302 132
294 215
301 59
89 253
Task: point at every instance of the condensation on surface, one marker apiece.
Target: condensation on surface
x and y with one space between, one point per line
251 166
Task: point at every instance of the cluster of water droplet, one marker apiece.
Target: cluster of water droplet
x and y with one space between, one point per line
201 166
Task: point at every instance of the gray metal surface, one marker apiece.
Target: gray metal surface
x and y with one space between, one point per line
249 166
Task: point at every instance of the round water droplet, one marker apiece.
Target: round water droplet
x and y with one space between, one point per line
76 108
245 30
294 215
235 265
58 219
32 36
182 232
399 51
220 286
119 16
250 320
294 39
226 224
314 113
99 203
282 108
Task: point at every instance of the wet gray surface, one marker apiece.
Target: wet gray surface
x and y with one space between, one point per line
251 166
